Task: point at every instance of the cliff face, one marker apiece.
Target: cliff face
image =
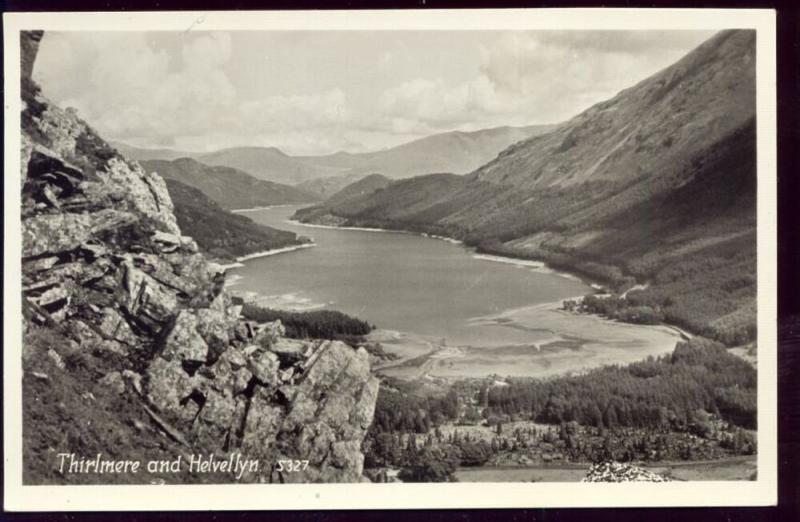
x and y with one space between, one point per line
108 278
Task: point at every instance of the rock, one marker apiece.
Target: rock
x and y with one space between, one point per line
269 333
29 47
40 264
331 409
261 426
44 163
231 371
102 253
289 351
168 242
618 472
114 326
189 244
183 340
144 298
287 374
264 367
169 388
54 233
113 381
215 327
144 192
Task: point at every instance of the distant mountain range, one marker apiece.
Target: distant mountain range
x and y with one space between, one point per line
455 152
229 187
656 185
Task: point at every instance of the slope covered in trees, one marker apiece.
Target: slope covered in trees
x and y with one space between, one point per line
219 233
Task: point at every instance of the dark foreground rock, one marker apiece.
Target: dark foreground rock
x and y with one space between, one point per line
107 271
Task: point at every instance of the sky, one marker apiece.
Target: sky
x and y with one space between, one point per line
318 92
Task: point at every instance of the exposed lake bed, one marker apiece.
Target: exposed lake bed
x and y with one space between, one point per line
440 308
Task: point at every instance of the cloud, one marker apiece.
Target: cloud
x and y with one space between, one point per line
526 77
182 89
127 88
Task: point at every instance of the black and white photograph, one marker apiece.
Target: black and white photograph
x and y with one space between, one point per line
279 250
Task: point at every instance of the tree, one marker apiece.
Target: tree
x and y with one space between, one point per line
434 464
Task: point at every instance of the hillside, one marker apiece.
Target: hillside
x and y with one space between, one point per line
143 154
361 188
364 187
456 152
132 348
656 185
230 188
324 188
221 234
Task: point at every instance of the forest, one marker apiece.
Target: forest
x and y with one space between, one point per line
699 402
317 324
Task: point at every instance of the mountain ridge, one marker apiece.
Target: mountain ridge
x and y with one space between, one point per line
655 185
229 187
454 151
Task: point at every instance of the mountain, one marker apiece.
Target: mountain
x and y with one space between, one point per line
455 152
132 346
230 188
268 163
361 188
328 186
221 234
143 154
656 186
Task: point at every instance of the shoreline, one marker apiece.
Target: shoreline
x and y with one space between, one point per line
254 209
265 253
561 343
539 266
359 229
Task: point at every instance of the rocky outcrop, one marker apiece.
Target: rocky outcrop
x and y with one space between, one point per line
621 472
104 262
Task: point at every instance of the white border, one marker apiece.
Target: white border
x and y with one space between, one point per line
349 496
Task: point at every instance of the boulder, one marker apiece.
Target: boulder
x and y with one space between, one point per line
289 351
183 340
169 388
264 367
145 193
114 327
145 298
167 242
269 333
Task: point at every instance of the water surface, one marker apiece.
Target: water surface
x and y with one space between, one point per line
402 282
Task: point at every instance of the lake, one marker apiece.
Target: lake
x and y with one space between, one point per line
443 308
398 281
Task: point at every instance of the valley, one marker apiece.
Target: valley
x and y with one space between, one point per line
512 303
